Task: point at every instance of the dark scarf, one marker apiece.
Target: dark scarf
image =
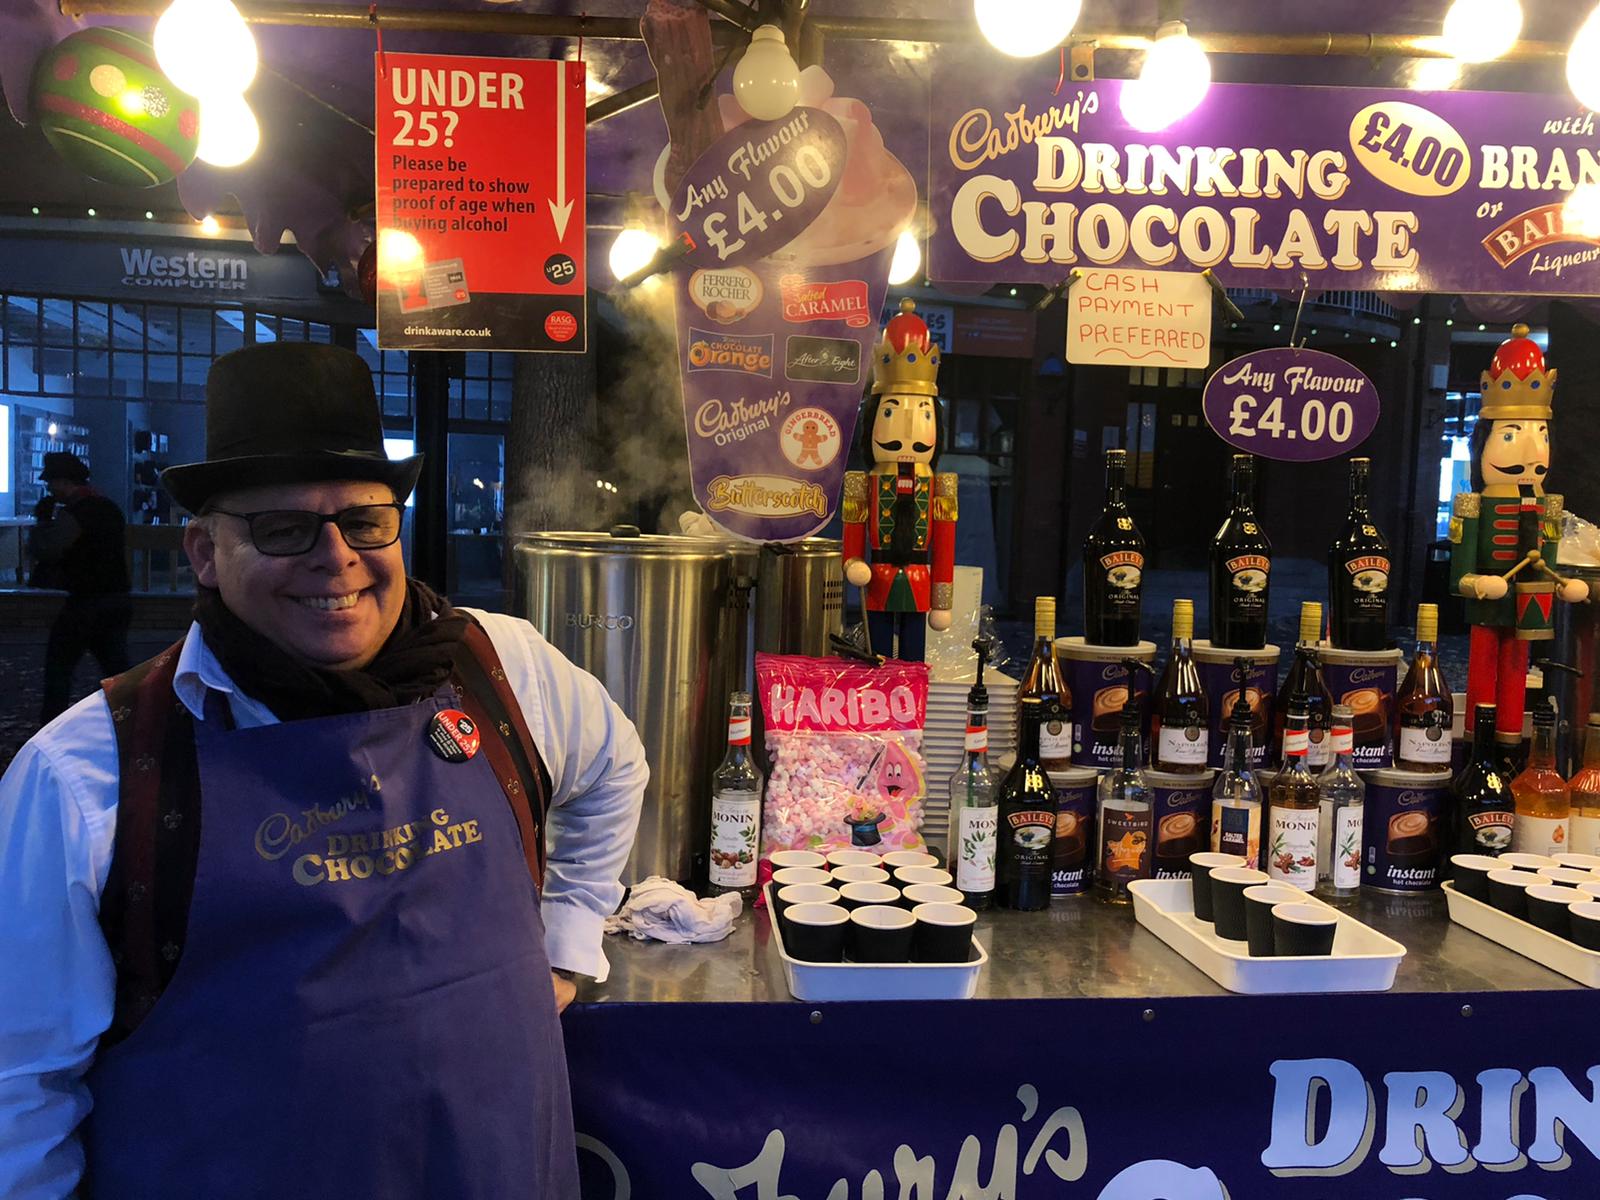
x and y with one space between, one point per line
416 659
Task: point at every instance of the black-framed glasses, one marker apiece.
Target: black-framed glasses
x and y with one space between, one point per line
284 532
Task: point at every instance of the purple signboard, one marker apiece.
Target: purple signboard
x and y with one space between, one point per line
1358 188
1293 404
794 223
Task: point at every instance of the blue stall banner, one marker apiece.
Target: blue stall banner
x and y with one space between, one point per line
1467 1096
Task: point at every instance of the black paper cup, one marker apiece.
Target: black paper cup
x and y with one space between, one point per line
852 858
844 875
1580 862
783 859
929 893
1227 898
1508 891
1591 889
879 933
802 893
1300 929
1565 876
1549 905
783 878
1518 861
1470 874
815 932
860 895
1259 902
1200 866
1585 917
896 859
908 876
943 933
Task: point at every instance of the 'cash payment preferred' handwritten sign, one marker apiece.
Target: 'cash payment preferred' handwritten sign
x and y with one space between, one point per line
1139 319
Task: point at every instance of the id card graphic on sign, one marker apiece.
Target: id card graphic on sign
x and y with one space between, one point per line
443 284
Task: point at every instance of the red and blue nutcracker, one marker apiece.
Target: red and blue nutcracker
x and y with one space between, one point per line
900 510
1503 537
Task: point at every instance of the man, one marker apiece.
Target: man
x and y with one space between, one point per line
78 544
274 922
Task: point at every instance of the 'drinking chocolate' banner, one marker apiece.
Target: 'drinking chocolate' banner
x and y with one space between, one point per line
794 223
1360 188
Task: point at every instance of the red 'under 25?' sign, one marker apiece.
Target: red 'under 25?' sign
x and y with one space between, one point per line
480 171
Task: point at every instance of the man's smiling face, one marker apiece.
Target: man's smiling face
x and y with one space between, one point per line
1516 452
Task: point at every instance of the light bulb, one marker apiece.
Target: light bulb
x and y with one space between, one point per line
1026 28
766 83
229 134
907 258
205 48
1174 79
1583 63
1580 214
632 251
1480 30
1434 74
400 257
210 226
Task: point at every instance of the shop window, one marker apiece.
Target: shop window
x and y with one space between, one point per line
94 372
195 369
94 330
55 371
227 331
127 327
196 325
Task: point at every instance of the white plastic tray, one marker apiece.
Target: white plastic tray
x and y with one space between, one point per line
1363 960
879 981
1526 938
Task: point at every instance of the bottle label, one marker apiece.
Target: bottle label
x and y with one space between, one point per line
1124 572
1022 857
1427 744
1339 855
1185 744
1368 591
1124 846
1296 742
1055 740
738 731
1489 831
735 824
1541 835
1585 835
978 739
1344 741
1236 829
975 845
1248 575
1319 748
1292 846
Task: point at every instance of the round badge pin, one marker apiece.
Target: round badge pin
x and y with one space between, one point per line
453 735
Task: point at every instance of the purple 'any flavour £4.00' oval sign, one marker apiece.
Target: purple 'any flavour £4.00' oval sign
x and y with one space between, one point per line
1295 405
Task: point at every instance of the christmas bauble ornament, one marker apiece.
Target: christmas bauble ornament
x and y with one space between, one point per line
109 111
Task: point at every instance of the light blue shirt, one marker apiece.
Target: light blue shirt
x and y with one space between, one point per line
58 812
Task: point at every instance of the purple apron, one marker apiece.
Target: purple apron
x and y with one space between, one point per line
363 1007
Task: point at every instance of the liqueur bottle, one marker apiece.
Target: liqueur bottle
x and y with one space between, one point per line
1293 810
1113 566
1236 796
1044 682
736 808
1305 682
1484 809
1358 573
1125 808
1178 723
1544 805
1585 791
1241 566
973 811
1341 801
1423 708
1026 823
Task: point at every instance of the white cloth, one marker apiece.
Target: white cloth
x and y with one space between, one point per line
659 910
58 807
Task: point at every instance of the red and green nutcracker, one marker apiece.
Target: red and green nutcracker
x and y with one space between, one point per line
901 511
1503 536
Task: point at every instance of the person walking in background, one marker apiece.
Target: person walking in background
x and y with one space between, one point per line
78 545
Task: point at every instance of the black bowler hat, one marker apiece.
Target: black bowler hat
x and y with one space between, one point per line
62 464
289 412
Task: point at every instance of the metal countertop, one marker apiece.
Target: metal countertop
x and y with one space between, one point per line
1079 948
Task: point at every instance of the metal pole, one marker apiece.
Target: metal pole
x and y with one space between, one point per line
430 517
1314 45
621 102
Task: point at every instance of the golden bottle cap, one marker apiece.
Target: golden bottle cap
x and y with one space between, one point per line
1183 618
1044 616
1427 622
1310 620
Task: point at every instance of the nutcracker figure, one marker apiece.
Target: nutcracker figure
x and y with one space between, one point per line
1503 536
900 509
